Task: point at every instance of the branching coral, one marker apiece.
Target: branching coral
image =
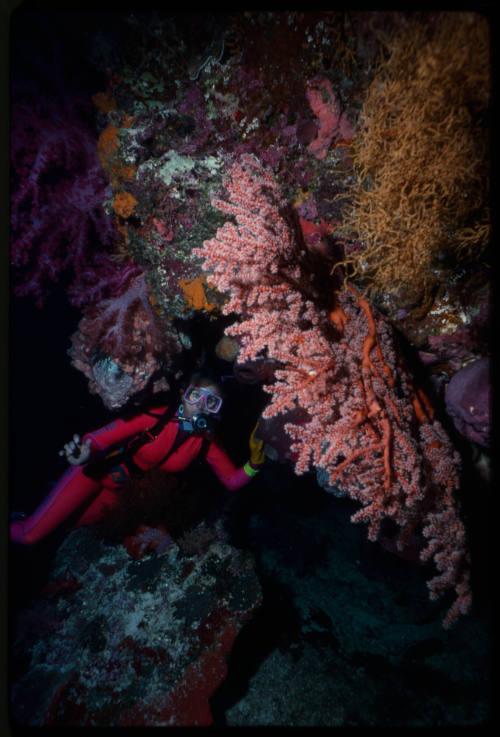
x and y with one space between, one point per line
367 426
421 198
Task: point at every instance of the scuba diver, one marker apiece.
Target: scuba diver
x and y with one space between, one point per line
166 439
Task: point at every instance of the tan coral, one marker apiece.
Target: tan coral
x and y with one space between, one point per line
421 196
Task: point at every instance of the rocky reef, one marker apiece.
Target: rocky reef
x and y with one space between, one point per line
136 634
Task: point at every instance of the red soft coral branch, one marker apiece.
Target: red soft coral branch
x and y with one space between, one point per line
368 428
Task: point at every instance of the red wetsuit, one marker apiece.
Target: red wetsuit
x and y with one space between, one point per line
76 491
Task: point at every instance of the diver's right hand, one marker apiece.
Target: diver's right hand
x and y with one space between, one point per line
76 452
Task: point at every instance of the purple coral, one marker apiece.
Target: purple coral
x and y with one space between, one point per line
59 228
194 105
58 188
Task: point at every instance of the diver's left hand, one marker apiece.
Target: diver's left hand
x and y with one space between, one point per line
77 453
257 455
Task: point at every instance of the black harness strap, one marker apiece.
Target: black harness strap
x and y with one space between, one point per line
122 452
117 456
147 436
178 441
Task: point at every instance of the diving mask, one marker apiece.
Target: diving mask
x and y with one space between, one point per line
203 398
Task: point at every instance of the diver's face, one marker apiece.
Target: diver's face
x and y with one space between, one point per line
198 399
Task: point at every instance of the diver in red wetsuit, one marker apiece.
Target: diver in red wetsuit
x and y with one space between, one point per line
153 440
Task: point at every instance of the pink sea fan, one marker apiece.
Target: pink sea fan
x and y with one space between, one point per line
368 428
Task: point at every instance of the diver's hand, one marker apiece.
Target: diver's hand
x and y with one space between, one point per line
257 455
76 452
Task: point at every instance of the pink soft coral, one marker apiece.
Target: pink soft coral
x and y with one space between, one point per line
120 342
332 123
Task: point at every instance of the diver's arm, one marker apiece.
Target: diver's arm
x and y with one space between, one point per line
121 429
78 452
234 478
237 480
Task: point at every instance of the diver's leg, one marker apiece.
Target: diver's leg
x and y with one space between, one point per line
72 490
104 503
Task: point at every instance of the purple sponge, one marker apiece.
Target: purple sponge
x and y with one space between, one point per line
468 401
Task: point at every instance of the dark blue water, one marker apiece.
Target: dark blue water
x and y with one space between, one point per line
49 399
